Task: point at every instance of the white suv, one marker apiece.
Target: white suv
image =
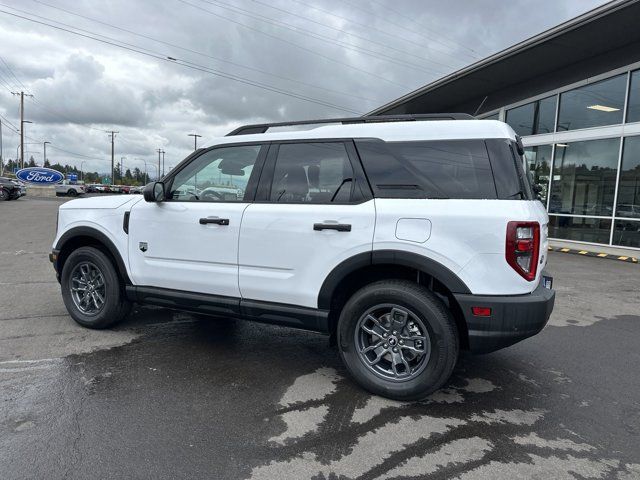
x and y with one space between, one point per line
404 238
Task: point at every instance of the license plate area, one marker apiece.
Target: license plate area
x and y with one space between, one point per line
547 282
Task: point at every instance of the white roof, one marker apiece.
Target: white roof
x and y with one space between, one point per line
388 131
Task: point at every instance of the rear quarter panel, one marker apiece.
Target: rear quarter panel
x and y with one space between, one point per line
466 236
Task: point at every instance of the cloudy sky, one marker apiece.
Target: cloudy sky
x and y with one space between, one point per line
164 69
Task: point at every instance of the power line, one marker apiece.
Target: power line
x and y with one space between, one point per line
40 105
412 20
404 27
167 58
324 38
346 32
13 74
313 52
186 49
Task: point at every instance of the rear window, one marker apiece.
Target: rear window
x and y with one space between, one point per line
462 169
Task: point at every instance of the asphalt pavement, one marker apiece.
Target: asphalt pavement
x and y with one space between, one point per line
172 395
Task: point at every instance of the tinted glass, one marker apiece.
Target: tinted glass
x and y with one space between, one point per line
593 230
629 188
219 175
449 168
539 164
533 118
633 110
593 105
312 173
584 177
627 233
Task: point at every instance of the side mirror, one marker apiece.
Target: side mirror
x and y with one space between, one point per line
154 192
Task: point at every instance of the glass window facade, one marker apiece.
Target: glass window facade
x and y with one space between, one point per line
633 108
589 184
584 177
592 230
594 105
533 118
539 163
628 204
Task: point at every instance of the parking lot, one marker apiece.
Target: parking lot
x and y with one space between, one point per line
171 395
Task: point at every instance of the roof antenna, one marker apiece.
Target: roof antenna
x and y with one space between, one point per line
480 106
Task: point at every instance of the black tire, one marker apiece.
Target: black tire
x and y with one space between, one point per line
4 194
424 307
72 193
115 306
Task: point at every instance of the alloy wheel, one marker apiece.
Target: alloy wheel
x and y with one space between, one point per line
392 342
88 288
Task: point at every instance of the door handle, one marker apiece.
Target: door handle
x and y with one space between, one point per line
340 227
216 220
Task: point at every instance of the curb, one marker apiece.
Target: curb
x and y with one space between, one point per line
586 253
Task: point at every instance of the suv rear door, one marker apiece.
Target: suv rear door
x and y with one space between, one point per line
313 210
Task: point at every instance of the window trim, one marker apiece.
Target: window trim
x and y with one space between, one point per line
360 190
252 183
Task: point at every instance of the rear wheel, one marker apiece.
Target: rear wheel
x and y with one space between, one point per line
398 340
72 193
4 195
91 289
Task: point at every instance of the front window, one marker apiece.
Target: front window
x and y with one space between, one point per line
218 175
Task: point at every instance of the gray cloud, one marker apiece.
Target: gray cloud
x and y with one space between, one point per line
83 88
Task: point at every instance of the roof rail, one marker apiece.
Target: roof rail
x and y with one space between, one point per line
263 127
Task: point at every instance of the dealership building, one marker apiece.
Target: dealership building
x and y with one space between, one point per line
573 94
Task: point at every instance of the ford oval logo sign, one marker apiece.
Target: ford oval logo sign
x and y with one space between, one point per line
39 175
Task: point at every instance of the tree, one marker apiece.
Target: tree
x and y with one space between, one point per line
32 162
47 163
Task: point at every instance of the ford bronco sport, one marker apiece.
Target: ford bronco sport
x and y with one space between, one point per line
404 238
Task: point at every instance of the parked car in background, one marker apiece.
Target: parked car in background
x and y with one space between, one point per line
70 189
136 190
92 188
11 189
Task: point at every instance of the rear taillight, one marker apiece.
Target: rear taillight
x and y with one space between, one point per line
523 246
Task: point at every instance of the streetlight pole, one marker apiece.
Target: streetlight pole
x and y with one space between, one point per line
81 170
44 144
195 139
163 163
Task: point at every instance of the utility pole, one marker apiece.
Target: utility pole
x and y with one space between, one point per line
195 140
44 144
22 122
159 152
163 163
113 180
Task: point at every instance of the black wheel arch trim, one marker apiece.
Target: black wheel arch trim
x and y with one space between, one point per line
389 257
99 237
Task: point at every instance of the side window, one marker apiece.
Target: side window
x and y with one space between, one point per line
312 173
218 175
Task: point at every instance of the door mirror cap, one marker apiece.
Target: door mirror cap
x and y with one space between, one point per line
154 192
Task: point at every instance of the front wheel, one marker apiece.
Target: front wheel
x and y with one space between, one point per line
398 340
4 195
91 289
72 193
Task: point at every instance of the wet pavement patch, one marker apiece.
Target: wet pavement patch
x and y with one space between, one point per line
205 398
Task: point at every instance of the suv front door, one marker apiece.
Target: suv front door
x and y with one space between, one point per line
313 210
189 241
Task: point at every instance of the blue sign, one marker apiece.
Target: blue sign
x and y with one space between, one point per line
39 175
72 177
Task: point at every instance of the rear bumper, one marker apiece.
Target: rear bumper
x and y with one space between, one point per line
513 318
